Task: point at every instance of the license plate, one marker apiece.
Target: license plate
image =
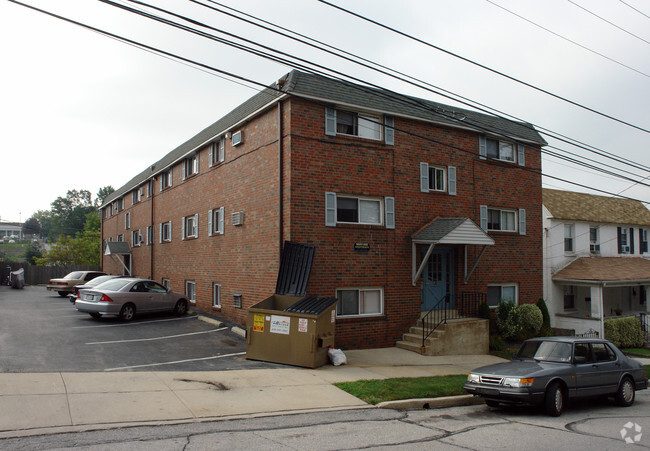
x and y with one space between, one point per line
488 391
88 297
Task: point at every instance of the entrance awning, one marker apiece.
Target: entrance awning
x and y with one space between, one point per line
448 231
605 271
116 248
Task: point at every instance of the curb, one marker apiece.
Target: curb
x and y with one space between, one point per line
207 319
431 403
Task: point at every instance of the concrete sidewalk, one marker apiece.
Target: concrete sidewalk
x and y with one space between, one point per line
40 403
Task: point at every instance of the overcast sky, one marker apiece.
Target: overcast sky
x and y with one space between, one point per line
79 110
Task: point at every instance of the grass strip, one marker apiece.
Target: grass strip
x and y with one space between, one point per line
374 391
641 352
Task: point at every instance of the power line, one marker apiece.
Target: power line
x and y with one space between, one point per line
608 21
548 30
637 10
401 33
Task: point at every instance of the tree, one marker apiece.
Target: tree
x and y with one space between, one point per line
44 218
102 194
69 213
32 227
35 251
83 249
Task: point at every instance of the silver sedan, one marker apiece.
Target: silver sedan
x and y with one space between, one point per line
124 297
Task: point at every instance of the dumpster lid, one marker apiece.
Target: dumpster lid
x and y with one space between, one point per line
311 305
295 266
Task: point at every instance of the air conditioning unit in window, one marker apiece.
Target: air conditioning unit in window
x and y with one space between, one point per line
625 249
237 218
237 138
594 248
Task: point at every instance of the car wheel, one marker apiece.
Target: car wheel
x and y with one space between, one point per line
181 307
62 293
127 312
625 393
491 403
554 400
95 315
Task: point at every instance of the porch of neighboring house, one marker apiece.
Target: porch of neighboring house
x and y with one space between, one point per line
593 289
449 323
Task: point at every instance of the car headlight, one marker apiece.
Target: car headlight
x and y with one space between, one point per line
474 378
518 382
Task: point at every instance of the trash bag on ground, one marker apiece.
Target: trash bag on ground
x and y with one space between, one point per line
336 356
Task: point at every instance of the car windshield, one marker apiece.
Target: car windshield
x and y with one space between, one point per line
548 351
113 284
74 275
99 280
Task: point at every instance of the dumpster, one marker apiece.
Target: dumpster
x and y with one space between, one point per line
289 327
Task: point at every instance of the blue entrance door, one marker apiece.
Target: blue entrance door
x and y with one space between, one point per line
438 280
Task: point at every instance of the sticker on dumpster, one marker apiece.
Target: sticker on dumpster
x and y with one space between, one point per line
258 323
333 315
302 324
280 324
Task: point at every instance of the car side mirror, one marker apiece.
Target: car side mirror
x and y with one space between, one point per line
580 359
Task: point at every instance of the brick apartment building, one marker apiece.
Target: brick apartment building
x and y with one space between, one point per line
406 200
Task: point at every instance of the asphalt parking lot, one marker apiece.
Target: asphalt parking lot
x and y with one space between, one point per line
42 332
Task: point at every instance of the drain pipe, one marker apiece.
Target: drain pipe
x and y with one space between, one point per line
280 180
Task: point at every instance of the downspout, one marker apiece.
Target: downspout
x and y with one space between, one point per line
101 244
153 192
280 180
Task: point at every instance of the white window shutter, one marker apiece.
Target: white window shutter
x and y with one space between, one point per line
521 155
424 177
330 209
484 217
170 177
209 222
196 163
330 121
170 230
196 225
222 214
522 221
183 228
222 150
451 180
482 147
160 233
390 212
184 168
161 182
210 154
389 131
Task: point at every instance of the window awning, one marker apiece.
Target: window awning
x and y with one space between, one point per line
448 231
603 271
117 248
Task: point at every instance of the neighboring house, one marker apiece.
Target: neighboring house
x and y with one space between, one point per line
408 202
11 230
596 259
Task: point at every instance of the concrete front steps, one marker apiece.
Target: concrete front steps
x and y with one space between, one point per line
465 336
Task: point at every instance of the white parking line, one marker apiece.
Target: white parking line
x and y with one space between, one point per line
135 323
156 338
172 363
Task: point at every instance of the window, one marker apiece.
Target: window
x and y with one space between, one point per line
237 138
136 238
166 231
643 240
150 187
136 195
500 150
120 238
569 297
127 220
215 221
501 293
109 211
359 302
149 232
190 166
624 243
602 352
594 240
165 283
190 226
341 122
216 295
359 210
501 220
569 236
165 180
190 290
437 178
217 152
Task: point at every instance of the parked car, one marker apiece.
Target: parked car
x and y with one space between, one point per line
64 285
126 296
549 371
93 283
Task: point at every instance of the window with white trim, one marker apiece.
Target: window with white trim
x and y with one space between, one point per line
359 302
363 125
191 226
625 243
190 166
136 195
437 178
569 238
150 187
120 238
165 232
350 209
500 150
217 152
501 293
594 240
643 241
127 220
165 180
502 220
149 237
216 295
165 283
190 290
216 221
569 297
136 238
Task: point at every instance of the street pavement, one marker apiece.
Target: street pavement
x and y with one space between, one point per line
45 403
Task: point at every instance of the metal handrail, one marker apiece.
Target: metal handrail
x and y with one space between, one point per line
430 318
466 306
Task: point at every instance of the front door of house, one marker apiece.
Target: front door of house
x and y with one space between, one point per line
438 280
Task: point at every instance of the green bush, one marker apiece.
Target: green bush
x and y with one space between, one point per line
624 332
497 343
531 320
546 330
484 310
508 320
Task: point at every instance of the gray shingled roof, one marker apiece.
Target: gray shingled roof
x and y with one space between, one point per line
333 91
438 229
